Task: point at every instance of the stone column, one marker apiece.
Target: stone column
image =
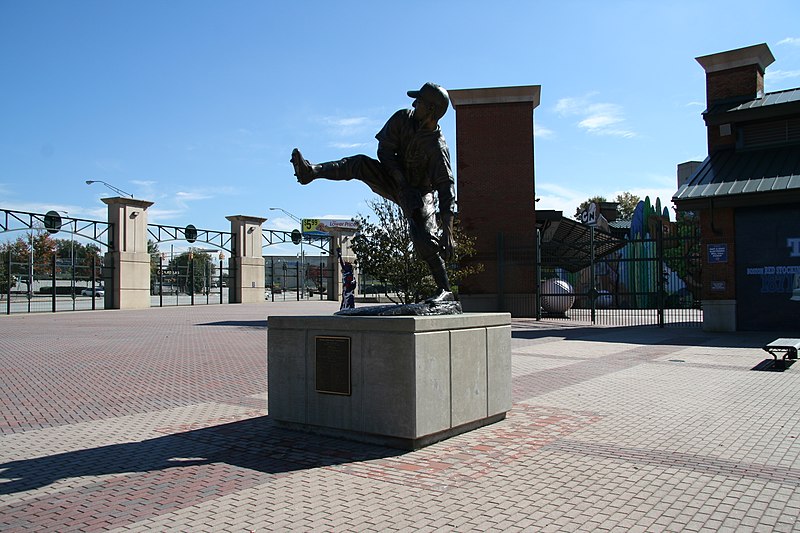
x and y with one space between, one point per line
247 262
127 273
495 172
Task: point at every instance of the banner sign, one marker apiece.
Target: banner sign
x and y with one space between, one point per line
589 214
324 227
718 253
767 268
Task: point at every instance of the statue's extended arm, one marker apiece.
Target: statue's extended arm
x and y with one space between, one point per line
447 241
446 196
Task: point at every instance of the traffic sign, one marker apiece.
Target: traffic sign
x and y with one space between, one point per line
296 236
191 233
52 221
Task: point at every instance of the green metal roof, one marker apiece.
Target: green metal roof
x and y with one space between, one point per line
731 172
789 96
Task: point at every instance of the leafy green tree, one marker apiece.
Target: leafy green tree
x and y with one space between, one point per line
155 255
203 271
83 255
30 255
6 279
585 204
626 205
385 252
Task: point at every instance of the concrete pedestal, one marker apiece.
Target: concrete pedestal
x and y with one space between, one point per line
404 382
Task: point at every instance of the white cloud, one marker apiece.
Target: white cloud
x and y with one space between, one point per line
282 223
346 122
775 75
543 132
188 196
597 118
159 216
348 126
349 132
793 41
349 146
566 200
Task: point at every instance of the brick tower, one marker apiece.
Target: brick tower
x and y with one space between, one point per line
495 173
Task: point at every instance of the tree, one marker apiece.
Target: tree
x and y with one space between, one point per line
155 255
626 204
6 280
384 251
83 254
585 204
30 255
203 271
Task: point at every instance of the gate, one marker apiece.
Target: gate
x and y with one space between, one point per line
191 278
653 280
288 278
41 273
197 276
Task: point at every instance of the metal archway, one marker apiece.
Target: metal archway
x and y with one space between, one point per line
93 230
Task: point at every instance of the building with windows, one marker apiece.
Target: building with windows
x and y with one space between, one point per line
747 196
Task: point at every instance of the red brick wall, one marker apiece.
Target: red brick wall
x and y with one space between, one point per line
740 82
718 227
745 82
717 141
495 181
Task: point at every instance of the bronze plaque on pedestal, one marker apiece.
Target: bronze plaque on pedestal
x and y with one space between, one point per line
332 363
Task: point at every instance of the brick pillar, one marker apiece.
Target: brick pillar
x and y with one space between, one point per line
718 249
731 77
495 183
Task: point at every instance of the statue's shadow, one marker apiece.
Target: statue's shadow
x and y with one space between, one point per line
256 444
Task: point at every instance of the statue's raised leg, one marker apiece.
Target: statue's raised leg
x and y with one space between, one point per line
303 170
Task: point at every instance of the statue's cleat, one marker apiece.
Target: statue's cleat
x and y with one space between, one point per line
443 296
302 168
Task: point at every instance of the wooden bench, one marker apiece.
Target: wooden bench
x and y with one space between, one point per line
787 348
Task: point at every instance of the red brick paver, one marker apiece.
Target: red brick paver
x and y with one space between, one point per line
155 420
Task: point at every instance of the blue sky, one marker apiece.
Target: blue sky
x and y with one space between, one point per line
196 105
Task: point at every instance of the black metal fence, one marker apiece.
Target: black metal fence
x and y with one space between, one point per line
50 283
191 281
289 278
651 281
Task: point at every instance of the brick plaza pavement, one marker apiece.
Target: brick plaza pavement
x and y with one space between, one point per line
155 420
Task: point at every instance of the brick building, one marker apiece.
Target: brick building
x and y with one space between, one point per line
747 195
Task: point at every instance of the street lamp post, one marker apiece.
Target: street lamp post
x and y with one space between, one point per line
72 257
116 190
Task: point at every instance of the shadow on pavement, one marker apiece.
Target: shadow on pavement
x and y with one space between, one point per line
238 323
771 365
256 444
649 335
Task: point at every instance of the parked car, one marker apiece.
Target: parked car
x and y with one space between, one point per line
98 292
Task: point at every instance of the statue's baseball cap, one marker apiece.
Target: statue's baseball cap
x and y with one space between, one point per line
433 94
